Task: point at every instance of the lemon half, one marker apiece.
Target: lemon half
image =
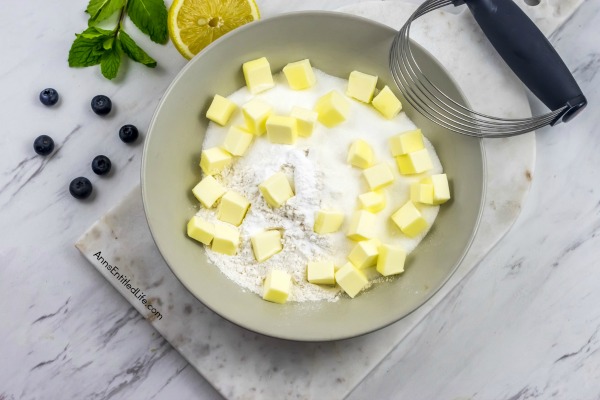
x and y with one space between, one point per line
194 24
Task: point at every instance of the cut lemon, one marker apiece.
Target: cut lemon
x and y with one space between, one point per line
194 24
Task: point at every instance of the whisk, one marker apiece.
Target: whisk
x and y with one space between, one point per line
522 46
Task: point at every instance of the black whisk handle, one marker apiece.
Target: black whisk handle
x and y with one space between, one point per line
529 54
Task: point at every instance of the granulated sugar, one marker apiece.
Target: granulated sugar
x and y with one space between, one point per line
321 178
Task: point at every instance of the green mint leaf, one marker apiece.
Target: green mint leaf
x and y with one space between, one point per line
94 32
150 16
108 43
99 10
134 51
111 61
86 51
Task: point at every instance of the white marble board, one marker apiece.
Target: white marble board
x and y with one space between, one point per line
240 363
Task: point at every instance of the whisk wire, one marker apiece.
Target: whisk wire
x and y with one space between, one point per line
427 98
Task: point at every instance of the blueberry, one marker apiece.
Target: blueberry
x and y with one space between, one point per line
43 145
101 104
128 133
80 188
101 165
49 97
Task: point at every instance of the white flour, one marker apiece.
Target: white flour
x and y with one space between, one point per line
321 179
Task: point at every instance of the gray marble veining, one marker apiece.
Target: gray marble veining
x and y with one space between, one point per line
66 334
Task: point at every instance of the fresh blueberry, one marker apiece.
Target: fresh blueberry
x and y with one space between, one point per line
128 133
49 97
101 165
80 188
101 104
43 145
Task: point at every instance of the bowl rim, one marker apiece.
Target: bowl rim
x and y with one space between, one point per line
235 321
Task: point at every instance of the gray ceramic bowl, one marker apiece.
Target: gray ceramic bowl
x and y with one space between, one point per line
337 44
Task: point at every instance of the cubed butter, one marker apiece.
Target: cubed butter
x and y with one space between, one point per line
360 154
282 129
421 193
364 254
299 74
220 110
387 103
406 142
409 219
362 226
350 279
305 119
255 114
258 75
321 272
277 286
266 244
333 109
441 190
233 208
276 190
361 86
415 162
328 221
201 230
226 239
208 191
391 260
237 141
378 176
372 201
214 160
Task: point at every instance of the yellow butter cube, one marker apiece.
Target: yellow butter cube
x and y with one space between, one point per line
361 154
391 260
276 190
237 141
305 119
406 142
415 162
421 193
372 201
282 130
255 114
208 191
321 272
201 230
378 176
266 244
387 103
361 86
258 75
226 239
220 110
409 219
214 160
233 208
441 190
277 286
364 254
333 108
328 221
300 74
362 226
350 279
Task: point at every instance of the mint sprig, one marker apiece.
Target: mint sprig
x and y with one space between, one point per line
106 47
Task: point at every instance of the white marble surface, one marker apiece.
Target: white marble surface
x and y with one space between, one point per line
237 362
66 334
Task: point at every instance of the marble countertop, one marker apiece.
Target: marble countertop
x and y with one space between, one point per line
65 332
